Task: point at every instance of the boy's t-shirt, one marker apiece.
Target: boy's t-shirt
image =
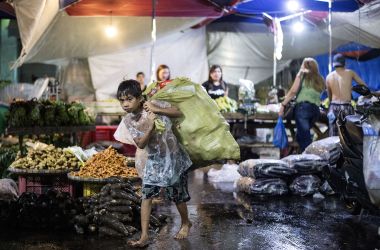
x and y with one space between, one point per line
167 160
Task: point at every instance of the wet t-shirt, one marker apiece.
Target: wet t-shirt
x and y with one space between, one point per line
214 91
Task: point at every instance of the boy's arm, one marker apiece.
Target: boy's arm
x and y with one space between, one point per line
171 112
141 142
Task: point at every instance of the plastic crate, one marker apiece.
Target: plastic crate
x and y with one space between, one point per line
104 133
90 189
40 184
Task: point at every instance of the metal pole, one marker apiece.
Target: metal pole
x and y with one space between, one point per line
154 38
274 52
330 36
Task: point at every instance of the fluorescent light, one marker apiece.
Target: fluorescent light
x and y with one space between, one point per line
298 27
111 31
293 5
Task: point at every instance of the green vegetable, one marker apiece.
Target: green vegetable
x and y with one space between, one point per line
159 125
62 114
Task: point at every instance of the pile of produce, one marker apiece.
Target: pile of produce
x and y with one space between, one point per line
105 164
8 155
114 212
47 113
47 158
226 104
53 210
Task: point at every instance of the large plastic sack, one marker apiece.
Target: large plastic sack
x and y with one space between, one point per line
306 163
122 135
228 173
280 138
371 161
270 187
202 130
328 149
8 189
305 185
265 168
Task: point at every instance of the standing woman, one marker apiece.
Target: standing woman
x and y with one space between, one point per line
307 88
215 86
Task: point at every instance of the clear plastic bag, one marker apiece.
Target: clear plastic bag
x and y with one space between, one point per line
328 149
8 189
305 185
122 135
270 187
326 189
265 168
306 163
228 173
371 161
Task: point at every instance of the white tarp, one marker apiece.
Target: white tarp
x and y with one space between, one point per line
246 49
184 52
49 34
361 26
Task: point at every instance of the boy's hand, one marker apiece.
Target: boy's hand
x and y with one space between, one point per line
151 118
150 107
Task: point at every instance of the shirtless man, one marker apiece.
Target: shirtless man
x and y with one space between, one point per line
339 86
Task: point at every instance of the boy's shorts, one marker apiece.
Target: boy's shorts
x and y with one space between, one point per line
177 193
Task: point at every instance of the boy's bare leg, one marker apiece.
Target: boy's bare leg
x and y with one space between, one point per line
185 222
146 208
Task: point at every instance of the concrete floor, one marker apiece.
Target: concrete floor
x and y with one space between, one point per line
225 220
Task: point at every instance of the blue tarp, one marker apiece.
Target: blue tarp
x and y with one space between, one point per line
367 70
280 6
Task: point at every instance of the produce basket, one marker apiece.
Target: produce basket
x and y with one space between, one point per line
41 183
39 171
92 186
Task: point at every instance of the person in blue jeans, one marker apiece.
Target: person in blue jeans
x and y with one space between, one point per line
307 89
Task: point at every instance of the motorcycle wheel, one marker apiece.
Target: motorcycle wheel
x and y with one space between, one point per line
352 206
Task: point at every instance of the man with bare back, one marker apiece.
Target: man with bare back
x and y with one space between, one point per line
339 86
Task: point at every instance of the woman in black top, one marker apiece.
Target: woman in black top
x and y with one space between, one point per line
215 86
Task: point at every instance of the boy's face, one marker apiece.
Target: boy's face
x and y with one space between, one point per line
130 104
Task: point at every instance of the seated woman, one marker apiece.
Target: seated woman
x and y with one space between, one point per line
215 86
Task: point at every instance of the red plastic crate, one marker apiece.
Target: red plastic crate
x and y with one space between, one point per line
40 184
104 133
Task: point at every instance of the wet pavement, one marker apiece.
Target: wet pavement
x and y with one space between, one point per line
223 219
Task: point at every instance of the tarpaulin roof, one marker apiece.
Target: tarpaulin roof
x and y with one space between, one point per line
48 32
169 8
280 6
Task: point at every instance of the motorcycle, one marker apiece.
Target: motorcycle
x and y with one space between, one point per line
347 178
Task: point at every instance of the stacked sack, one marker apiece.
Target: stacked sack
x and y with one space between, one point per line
264 177
301 174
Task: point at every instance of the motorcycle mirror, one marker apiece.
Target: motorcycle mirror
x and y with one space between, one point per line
362 90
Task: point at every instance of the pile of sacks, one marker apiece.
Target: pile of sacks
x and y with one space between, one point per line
296 174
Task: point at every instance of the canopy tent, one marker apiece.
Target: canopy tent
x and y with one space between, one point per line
240 43
52 34
243 45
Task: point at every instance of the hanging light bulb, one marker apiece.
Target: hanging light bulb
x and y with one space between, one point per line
111 30
298 27
293 5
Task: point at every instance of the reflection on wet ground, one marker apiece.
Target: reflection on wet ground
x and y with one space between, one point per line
223 219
